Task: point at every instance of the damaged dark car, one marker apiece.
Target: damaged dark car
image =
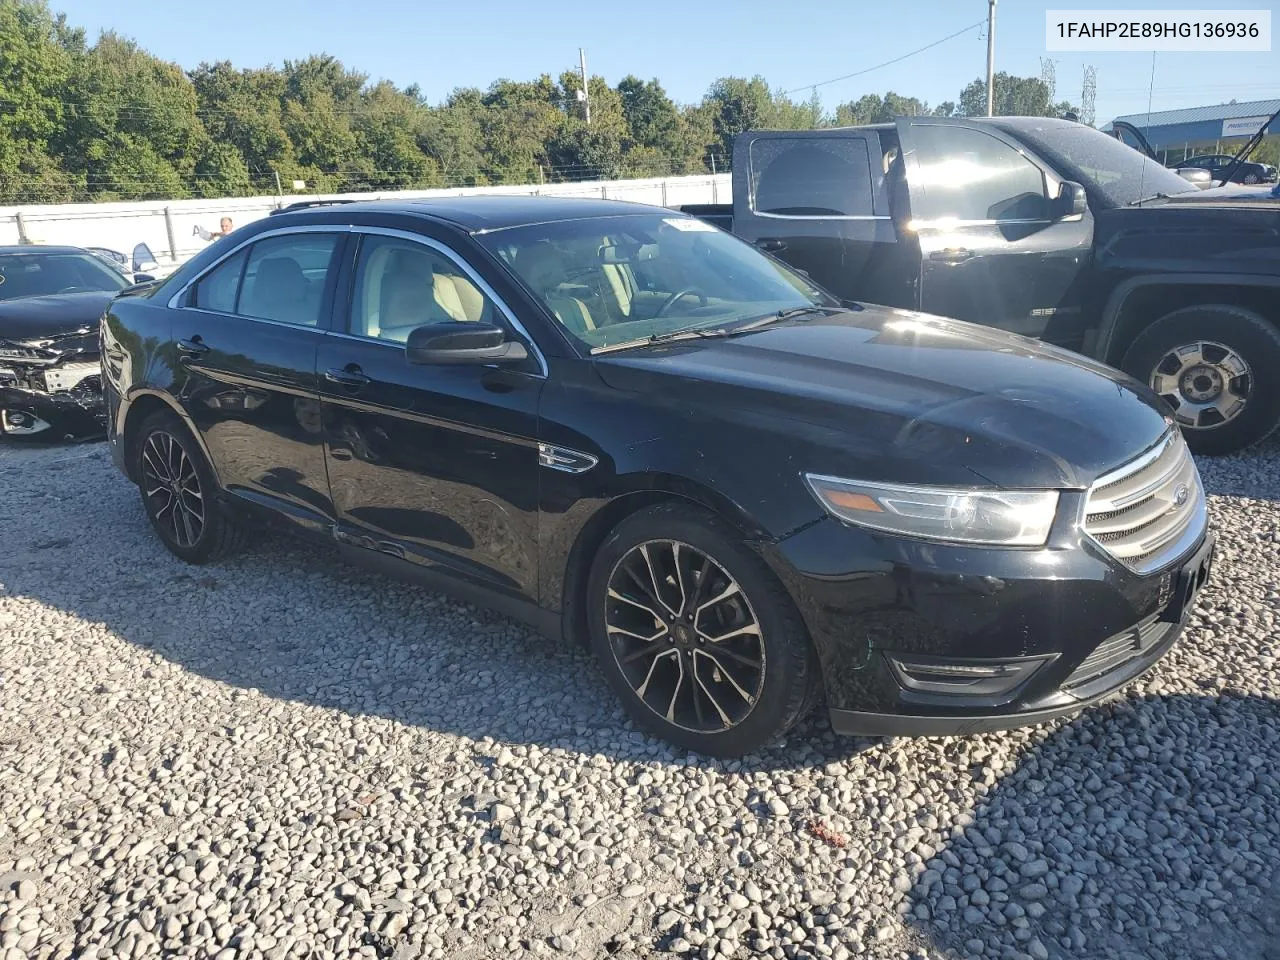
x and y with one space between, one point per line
51 303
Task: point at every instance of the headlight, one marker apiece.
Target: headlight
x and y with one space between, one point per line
1012 518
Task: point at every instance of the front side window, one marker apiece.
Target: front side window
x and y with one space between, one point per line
967 174
811 177
609 280
401 285
47 274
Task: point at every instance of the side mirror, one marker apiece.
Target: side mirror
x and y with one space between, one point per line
454 342
1072 200
143 278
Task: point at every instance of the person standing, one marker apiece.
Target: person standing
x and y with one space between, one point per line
225 226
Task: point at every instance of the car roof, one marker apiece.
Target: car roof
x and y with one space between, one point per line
40 248
497 212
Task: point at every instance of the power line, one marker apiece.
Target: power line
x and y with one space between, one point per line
887 63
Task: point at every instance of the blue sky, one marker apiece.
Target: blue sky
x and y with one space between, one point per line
684 43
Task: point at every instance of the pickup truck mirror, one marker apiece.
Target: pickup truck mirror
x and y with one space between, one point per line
1072 200
454 342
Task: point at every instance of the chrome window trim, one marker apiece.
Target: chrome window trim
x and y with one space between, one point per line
479 281
827 216
173 304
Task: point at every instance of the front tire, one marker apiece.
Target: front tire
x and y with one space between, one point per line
1251 178
179 492
1216 367
696 635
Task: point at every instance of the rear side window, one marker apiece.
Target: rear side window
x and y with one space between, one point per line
970 175
811 177
284 279
216 290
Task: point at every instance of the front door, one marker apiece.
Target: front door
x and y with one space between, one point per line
435 464
246 339
993 248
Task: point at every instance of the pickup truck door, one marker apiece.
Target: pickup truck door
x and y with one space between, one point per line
996 244
817 200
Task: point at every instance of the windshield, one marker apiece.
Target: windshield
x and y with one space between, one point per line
41 274
1117 171
609 280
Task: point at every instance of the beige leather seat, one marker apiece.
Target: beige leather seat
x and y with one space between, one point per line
540 266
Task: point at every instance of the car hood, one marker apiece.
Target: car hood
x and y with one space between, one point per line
46 318
893 395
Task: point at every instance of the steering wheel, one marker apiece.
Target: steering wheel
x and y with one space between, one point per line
679 295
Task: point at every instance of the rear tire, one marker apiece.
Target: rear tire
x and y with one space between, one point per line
179 493
1218 369
696 635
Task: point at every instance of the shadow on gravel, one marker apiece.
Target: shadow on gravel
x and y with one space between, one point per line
295 622
1144 829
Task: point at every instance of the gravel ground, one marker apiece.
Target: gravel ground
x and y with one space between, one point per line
285 757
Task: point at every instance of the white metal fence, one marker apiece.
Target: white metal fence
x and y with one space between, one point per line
168 226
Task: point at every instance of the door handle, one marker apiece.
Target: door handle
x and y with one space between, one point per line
348 376
951 255
771 243
194 345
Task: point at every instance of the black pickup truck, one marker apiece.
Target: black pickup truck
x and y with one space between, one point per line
1044 227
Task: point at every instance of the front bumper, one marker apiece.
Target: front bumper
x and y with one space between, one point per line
71 414
1072 624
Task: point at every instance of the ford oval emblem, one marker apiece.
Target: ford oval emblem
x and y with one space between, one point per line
1181 494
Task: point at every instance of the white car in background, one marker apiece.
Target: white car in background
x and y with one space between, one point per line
140 266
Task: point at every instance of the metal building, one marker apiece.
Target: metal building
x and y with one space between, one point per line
1178 134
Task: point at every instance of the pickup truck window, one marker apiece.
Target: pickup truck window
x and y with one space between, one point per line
1117 172
969 175
810 177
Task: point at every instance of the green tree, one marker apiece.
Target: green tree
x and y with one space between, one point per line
1014 97
132 129
37 53
737 105
651 117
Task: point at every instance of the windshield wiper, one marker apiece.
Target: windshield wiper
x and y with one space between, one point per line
791 314
1141 201
662 338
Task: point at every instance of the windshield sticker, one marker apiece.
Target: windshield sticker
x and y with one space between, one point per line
689 224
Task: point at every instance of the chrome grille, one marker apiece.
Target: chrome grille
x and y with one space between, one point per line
1151 510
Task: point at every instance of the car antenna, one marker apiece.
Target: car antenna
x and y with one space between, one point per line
1247 148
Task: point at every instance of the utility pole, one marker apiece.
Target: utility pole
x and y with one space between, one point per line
991 57
586 90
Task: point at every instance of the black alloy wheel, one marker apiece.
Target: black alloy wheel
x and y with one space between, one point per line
696 634
179 492
171 489
684 635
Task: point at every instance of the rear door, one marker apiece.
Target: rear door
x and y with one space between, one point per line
246 338
993 248
817 200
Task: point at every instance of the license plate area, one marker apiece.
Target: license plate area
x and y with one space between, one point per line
1188 582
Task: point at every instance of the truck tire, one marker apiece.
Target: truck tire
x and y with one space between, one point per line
1218 369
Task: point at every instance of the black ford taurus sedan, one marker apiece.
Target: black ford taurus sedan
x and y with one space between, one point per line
623 425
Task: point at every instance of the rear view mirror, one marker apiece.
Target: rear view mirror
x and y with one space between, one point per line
454 342
1072 201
